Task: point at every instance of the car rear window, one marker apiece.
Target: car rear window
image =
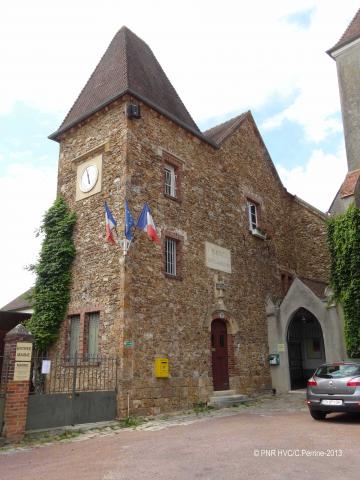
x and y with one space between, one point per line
337 371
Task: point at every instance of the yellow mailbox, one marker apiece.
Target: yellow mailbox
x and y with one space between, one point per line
161 367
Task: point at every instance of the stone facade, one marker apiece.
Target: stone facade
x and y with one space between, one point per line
171 317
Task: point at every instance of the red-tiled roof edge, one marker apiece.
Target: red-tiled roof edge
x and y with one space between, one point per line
349 184
351 33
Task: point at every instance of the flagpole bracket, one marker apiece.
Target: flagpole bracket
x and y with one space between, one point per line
125 245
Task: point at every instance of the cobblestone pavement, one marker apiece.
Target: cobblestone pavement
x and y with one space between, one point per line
273 438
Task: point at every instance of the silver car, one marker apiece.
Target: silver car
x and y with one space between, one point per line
334 387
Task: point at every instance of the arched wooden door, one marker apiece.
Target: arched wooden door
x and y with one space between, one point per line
219 355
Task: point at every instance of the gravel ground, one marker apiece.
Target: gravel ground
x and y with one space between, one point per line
273 438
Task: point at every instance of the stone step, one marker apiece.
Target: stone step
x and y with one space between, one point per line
227 400
223 393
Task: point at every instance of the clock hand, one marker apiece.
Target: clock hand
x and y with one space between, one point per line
87 173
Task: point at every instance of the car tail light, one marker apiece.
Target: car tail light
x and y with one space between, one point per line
312 382
354 382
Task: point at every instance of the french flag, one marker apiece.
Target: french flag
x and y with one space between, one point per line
110 225
146 223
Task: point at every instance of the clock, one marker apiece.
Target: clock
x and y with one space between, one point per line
88 178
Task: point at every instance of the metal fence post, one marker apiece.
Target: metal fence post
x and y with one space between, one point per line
74 375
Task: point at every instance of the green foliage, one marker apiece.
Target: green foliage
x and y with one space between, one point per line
131 422
344 243
50 296
202 407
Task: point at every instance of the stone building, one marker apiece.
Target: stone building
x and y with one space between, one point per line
346 53
242 268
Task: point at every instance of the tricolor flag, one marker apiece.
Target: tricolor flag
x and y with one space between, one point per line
110 225
146 223
129 222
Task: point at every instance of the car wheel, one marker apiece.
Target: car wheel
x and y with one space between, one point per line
317 415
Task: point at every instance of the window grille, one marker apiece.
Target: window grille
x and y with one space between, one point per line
170 256
170 180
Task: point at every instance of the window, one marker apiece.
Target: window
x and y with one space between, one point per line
74 333
253 215
170 180
170 256
172 171
92 326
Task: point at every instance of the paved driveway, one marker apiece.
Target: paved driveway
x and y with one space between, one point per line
276 439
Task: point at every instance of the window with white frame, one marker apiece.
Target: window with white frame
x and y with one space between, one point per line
253 215
170 256
74 334
170 180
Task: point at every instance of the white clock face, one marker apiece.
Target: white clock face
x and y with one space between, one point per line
89 178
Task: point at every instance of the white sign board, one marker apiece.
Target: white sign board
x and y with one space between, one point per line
46 366
218 258
22 371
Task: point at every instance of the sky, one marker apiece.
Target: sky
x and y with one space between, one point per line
223 58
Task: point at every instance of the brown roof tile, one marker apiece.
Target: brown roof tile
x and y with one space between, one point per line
219 133
318 287
19 303
349 184
351 33
128 66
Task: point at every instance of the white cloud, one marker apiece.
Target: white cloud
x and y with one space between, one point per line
318 180
221 58
25 192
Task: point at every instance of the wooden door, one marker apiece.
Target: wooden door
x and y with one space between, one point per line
219 355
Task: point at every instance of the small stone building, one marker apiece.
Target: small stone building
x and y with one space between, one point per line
242 268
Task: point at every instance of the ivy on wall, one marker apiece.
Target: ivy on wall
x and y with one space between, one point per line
51 293
344 242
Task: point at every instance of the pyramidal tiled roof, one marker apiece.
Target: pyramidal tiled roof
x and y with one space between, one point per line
128 66
351 33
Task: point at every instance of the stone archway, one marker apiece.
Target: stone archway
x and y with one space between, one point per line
279 316
305 343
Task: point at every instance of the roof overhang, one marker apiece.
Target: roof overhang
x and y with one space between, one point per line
56 135
339 49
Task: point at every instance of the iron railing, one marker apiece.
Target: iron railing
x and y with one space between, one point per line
73 374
